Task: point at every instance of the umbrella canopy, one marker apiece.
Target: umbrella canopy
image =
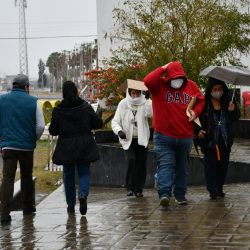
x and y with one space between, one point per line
228 74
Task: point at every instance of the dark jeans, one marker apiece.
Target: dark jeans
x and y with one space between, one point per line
10 160
83 170
216 170
136 157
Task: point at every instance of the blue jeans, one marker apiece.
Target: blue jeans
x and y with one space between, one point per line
83 170
172 163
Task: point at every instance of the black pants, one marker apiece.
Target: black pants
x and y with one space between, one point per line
216 170
136 157
10 160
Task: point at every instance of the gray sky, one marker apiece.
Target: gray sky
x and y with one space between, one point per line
47 18
44 18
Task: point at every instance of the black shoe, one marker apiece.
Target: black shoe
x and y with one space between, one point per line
83 206
213 196
221 195
139 194
5 219
28 211
181 201
70 210
130 193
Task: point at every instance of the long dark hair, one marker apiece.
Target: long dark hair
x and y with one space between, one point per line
70 92
225 97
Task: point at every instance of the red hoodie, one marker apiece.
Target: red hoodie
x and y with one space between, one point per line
169 104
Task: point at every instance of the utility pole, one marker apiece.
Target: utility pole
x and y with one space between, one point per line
23 52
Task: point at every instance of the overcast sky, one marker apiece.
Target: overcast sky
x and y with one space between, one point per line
44 18
47 18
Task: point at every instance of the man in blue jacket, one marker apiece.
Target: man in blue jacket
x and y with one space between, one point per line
21 124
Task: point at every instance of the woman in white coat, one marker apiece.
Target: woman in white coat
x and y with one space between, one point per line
130 123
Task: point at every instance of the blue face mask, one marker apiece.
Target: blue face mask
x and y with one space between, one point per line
176 83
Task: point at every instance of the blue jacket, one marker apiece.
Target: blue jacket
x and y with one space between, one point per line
18 120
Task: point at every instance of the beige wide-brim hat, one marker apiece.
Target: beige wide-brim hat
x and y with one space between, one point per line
133 84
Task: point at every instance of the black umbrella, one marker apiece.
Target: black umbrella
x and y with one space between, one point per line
229 74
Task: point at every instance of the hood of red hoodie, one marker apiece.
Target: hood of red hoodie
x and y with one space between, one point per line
175 70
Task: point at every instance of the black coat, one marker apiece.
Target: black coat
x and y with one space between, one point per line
207 120
73 124
208 125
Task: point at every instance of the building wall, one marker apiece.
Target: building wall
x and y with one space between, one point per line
105 27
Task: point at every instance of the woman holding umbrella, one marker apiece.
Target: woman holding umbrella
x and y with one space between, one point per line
215 136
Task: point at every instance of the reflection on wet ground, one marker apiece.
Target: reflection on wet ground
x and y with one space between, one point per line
115 221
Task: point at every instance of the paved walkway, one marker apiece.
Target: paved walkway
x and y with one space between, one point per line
115 221
240 151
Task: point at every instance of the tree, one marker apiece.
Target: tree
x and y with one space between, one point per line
88 53
45 81
106 83
41 69
56 65
68 65
196 32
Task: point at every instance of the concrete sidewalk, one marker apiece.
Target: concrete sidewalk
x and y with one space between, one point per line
115 221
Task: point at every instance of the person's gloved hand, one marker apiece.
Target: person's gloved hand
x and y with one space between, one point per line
122 135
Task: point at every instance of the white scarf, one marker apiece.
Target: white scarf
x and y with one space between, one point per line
135 101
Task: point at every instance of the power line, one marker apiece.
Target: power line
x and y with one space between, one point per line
55 22
44 37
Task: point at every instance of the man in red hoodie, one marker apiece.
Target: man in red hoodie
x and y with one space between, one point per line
173 129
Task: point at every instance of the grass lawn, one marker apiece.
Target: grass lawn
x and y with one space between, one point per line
46 181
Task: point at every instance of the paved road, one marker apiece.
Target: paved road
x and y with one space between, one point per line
115 221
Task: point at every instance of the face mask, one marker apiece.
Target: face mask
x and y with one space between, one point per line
176 83
217 94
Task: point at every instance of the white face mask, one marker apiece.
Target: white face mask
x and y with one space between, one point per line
176 83
217 94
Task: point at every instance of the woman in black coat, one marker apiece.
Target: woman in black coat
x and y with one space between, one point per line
73 121
216 136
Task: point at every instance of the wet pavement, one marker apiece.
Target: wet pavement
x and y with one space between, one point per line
115 221
240 151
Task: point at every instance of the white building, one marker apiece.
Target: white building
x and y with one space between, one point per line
105 28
